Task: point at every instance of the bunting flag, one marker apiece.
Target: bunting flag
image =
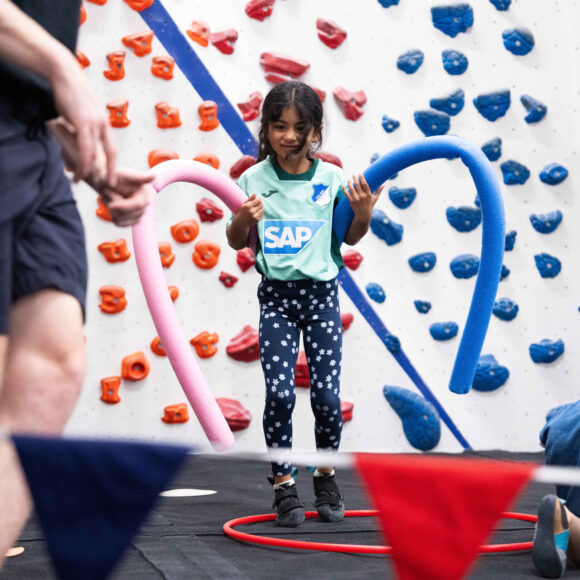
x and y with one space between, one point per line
437 511
92 496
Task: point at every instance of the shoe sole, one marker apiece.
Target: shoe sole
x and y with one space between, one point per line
292 519
546 556
327 514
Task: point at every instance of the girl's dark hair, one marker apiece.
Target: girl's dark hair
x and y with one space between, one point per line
281 96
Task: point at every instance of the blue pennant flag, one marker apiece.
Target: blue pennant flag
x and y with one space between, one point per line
92 496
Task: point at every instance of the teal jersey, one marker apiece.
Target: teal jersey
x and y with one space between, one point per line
296 240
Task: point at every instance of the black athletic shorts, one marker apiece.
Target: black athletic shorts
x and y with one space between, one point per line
42 242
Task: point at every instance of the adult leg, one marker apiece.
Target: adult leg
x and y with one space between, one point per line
43 373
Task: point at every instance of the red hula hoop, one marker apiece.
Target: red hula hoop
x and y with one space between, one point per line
229 530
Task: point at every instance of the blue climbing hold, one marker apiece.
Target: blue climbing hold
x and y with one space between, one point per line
505 309
410 61
443 330
536 110
421 422
546 223
432 122
546 351
451 20
389 125
375 292
402 197
386 229
492 149
514 173
392 343
388 3
424 262
489 375
422 306
518 41
505 272
463 219
374 157
452 104
492 106
548 266
510 240
454 62
553 174
464 266
501 5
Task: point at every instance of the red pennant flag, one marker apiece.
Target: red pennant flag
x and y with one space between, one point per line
437 511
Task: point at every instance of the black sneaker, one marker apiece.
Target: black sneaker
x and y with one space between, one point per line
289 508
328 503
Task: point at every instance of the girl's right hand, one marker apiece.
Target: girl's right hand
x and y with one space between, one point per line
250 212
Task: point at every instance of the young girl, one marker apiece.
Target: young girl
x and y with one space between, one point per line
292 197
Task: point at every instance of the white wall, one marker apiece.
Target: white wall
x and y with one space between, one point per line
508 418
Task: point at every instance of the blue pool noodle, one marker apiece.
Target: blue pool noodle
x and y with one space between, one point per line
493 235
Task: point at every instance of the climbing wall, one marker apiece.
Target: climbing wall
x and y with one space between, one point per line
500 74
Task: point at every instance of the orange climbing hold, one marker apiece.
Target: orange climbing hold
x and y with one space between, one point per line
185 231
102 211
206 254
166 254
224 41
173 292
245 259
162 67
208 159
113 299
135 367
208 210
199 32
157 347
176 413
116 70
251 108
160 155
167 117
83 16
83 59
99 2
118 113
208 113
204 344
110 390
139 43
116 251
139 5
228 280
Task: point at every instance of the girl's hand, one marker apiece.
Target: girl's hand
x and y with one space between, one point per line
250 212
361 198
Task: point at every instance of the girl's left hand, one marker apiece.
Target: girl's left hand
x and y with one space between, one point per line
361 198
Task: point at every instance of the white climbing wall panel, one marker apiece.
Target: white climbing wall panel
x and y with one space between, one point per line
508 418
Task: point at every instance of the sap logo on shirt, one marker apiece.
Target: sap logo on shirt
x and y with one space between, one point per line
289 236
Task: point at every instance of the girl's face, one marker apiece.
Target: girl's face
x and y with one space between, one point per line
288 136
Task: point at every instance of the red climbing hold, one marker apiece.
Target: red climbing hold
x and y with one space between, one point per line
176 413
228 280
241 165
110 390
224 41
302 375
352 259
166 254
328 157
251 108
204 344
113 299
346 409
244 347
116 70
208 113
118 113
185 231
285 66
160 155
330 33
135 367
199 32
162 67
206 255
116 251
208 210
208 159
245 259
236 415
351 104
321 94
167 117
259 9
346 319
139 43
